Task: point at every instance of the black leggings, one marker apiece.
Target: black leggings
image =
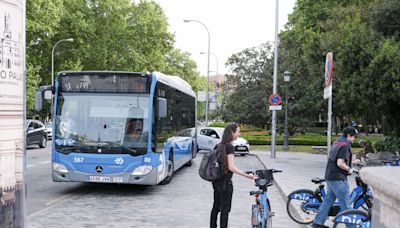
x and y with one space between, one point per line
223 191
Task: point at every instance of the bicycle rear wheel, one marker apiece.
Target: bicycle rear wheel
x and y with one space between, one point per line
352 218
302 206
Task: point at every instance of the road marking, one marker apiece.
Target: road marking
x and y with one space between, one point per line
44 162
39 163
59 199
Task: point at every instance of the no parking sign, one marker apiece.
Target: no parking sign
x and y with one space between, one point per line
328 69
328 75
275 100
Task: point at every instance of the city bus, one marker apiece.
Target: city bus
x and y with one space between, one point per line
120 127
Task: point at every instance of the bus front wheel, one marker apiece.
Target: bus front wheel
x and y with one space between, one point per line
170 169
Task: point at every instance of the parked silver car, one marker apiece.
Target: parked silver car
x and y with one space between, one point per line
209 137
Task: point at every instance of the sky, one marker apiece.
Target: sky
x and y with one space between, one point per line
234 25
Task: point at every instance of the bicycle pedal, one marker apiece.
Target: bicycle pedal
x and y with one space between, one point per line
271 214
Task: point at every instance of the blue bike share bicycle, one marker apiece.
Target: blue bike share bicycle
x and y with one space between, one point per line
261 216
354 218
302 205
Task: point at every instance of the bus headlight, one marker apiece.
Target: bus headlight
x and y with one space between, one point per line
142 170
59 168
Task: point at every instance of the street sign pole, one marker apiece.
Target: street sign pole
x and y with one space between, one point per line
329 132
328 95
273 141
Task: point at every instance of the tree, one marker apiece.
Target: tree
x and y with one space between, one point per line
179 63
249 85
364 39
43 18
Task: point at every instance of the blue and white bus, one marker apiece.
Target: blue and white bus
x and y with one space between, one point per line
120 127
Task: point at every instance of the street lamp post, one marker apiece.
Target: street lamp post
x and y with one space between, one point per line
216 59
52 66
52 57
208 65
216 72
286 77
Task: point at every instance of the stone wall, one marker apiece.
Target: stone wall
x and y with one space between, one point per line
385 183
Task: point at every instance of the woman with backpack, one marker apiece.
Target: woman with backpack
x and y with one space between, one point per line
223 187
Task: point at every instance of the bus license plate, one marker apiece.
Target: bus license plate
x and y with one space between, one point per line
105 179
99 179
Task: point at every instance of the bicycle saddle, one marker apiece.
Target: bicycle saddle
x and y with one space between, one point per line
317 180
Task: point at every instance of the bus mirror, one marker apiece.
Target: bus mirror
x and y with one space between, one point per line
38 101
44 92
162 107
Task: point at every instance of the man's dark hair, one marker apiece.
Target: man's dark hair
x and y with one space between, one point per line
350 131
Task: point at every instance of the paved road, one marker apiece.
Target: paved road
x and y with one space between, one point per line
41 190
185 202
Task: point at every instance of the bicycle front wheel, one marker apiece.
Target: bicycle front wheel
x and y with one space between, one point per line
255 216
268 219
352 218
302 206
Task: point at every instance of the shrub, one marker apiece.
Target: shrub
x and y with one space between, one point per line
218 124
391 144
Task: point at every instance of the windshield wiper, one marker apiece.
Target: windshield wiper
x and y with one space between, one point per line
121 146
68 148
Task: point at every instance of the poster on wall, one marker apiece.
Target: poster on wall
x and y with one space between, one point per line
12 48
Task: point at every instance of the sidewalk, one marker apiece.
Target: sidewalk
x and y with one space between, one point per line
298 169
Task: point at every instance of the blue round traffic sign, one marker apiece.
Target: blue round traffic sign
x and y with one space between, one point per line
328 69
275 99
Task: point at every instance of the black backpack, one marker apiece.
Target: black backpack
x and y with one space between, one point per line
210 168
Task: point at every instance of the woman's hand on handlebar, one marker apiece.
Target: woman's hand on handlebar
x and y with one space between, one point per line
251 175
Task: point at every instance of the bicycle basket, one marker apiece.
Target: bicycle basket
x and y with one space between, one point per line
264 177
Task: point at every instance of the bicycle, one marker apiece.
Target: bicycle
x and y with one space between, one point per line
261 214
309 201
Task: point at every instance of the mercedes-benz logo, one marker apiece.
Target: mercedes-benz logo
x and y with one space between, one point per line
99 169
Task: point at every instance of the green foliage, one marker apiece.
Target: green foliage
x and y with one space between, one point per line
391 144
218 124
247 87
32 81
179 63
363 36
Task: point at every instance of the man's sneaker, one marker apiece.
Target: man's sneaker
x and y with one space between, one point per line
318 226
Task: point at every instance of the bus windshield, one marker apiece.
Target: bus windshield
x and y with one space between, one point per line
102 123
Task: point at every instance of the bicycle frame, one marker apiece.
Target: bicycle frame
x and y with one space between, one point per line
261 211
357 198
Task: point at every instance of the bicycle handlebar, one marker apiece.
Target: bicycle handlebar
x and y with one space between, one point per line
273 170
